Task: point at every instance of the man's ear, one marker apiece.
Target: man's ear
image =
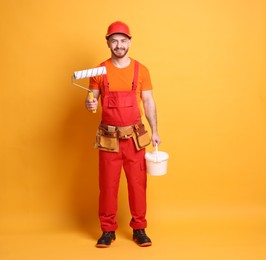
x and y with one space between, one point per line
107 42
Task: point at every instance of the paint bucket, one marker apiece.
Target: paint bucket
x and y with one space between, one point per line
156 162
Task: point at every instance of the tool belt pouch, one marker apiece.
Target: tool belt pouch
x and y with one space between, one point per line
141 137
107 139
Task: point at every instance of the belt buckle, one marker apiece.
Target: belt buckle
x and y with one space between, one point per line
126 136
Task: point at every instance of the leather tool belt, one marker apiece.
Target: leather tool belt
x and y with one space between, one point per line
107 137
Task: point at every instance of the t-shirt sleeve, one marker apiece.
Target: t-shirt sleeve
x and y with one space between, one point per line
95 83
144 78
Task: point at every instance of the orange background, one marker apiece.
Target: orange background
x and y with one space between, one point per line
207 64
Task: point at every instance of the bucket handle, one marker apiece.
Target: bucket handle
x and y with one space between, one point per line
156 152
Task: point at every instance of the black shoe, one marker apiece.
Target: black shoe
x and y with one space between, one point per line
106 239
140 237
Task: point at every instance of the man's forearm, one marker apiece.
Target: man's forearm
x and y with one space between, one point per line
151 115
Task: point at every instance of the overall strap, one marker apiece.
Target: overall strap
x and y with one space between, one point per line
136 75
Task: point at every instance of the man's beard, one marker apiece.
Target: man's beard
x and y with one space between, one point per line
119 55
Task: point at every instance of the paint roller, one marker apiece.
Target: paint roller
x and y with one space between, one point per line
82 74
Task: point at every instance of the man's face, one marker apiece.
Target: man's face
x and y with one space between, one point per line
119 45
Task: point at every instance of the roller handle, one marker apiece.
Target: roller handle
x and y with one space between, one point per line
91 96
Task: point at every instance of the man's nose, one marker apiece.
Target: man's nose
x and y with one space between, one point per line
119 44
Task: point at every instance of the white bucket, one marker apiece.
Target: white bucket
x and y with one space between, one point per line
156 162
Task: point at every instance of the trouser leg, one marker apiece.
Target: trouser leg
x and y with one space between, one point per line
135 169
110 165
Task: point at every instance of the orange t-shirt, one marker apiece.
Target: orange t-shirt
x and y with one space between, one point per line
120 79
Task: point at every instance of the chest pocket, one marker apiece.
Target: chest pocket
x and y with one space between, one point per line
121 99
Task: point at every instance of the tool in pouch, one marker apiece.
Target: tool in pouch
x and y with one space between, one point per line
82 74
107 138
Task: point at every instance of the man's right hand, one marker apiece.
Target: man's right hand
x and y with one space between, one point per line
91 104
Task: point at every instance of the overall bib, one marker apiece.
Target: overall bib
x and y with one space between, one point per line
120 108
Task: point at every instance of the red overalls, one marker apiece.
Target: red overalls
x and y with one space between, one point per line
119 108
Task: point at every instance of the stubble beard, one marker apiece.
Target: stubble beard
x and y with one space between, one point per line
120 55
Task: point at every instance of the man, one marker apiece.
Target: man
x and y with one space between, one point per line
121 137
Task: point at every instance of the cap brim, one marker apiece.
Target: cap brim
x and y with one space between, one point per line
108 35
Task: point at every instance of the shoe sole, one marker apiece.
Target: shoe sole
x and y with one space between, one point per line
144 244
104 245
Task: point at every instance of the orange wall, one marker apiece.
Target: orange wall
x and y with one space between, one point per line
207 63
